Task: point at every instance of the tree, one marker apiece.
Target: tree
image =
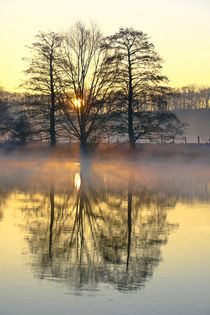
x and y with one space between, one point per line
87 82
190 98
138 78
21 129
5 118
153 124
43 78
205 97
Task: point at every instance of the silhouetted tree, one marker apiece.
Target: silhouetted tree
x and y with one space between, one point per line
138 78
5 118
43 78
20 129
190 98
205 97
87 78
155 124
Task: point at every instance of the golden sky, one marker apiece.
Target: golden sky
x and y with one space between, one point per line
180 30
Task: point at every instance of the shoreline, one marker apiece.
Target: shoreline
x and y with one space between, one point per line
144 152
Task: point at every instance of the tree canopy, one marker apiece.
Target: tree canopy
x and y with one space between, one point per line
43 77
88 87
87 83
138 78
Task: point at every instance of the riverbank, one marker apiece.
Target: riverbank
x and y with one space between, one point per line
147 152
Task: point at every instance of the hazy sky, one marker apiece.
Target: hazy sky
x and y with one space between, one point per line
180 30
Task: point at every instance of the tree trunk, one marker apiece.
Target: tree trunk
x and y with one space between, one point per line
130 108
83 147
52 108
83 136
52 128
83 142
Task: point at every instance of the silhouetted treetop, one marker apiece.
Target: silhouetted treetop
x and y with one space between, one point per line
138 76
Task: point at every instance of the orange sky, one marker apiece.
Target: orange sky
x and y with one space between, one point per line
179 29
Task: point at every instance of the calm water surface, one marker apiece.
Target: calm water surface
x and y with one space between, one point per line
104 238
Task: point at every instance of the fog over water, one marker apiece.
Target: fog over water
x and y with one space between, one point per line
96 228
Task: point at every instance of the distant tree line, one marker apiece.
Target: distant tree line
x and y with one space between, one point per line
190 97
84 87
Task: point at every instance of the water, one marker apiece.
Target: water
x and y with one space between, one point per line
104 238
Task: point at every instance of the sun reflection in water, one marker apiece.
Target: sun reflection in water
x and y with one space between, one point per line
77 181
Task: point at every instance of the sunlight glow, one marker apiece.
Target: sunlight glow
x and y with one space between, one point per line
77 181
77 102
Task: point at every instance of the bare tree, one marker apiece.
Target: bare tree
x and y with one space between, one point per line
5 118
43 78
87 80
138 77
205 96
20 130
190 98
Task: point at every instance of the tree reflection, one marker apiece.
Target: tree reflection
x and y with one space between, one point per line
130 195
3 198
1 214
95 233
52 211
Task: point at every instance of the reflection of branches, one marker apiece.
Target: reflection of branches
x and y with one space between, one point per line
98 233
3 198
